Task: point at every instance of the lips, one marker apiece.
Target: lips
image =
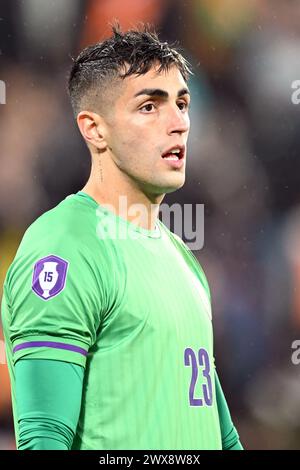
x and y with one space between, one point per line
176 152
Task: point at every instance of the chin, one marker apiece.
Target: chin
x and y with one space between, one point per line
164 185
173 184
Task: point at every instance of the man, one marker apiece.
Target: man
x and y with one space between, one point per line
109 337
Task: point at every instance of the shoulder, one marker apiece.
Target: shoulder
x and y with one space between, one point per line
66 233
70 218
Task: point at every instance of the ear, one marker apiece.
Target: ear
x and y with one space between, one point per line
93 129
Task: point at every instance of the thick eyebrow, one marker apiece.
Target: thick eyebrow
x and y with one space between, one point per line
161 93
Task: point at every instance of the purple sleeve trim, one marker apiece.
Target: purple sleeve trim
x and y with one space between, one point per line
50 344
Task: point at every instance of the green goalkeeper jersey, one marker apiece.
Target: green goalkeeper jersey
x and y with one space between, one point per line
131 306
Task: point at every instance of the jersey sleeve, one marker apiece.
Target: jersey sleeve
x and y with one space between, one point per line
230 437
56 297
46 419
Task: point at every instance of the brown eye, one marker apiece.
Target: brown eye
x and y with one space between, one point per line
148 107
182 105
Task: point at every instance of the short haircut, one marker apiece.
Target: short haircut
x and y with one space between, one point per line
122 55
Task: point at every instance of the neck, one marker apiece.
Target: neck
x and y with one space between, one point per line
119 193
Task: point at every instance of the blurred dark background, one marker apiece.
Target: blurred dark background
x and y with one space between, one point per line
243 164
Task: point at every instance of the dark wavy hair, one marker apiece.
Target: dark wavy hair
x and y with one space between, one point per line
119 56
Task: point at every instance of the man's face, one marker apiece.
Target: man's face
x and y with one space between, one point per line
150 118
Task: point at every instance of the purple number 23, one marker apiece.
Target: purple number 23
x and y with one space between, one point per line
190 359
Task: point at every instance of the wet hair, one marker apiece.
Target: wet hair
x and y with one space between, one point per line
98 66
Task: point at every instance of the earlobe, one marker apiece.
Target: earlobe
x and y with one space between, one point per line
101 137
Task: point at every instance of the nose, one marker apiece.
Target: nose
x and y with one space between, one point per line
179 122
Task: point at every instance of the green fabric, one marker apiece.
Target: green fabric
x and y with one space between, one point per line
135 311
48 400
49 396
230 437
